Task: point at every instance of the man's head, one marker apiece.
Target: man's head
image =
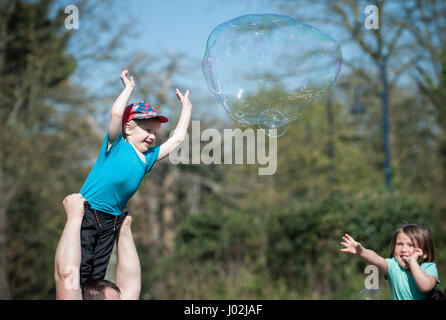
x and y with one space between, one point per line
100 290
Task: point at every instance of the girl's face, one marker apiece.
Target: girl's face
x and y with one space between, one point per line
404 248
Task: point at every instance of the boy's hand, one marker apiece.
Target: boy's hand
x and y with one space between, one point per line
351 245
74 206
125 81
184 99
414 257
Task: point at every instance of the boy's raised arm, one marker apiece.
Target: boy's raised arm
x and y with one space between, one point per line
181 130
117 110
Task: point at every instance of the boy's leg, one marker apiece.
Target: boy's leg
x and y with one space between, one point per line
89 238
110 226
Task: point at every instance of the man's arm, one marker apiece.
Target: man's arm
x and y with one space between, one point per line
117 110
68 253
181 130
128 269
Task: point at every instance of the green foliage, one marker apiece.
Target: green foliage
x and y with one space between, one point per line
293 253
303 241
42 145
218 236
31 235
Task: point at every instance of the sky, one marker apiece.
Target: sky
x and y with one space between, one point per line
168 27
184 26
173 27
181 25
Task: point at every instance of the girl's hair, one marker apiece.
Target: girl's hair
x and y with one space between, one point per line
421 238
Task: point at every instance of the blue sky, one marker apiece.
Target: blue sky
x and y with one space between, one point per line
184 26
167 27
181 25
171 26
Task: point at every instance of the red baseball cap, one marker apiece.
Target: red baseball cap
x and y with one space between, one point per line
141 110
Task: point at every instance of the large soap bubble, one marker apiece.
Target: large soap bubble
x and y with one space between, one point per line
266 69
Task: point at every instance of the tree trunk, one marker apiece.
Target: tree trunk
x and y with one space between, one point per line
169 190
385 123
4 283
195 195
331 146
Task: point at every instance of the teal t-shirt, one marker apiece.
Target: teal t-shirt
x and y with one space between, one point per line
116 175
403 285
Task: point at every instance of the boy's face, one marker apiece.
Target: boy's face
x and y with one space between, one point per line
143 135
404 248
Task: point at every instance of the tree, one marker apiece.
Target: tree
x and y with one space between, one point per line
46 130
32 62
428 46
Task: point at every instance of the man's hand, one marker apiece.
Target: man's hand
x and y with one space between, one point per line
185 102
74 206
128 83
128 267
351 245
67 259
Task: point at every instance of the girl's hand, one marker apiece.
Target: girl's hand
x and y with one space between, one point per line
125 81
184 99
417 252
351 245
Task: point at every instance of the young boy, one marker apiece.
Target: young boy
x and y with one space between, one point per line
126 155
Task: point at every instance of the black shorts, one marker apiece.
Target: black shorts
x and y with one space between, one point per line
98 234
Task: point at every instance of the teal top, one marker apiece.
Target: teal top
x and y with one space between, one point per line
116 175
402 284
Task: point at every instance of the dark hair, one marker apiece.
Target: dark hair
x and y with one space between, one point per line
420 236
437 295
94 289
